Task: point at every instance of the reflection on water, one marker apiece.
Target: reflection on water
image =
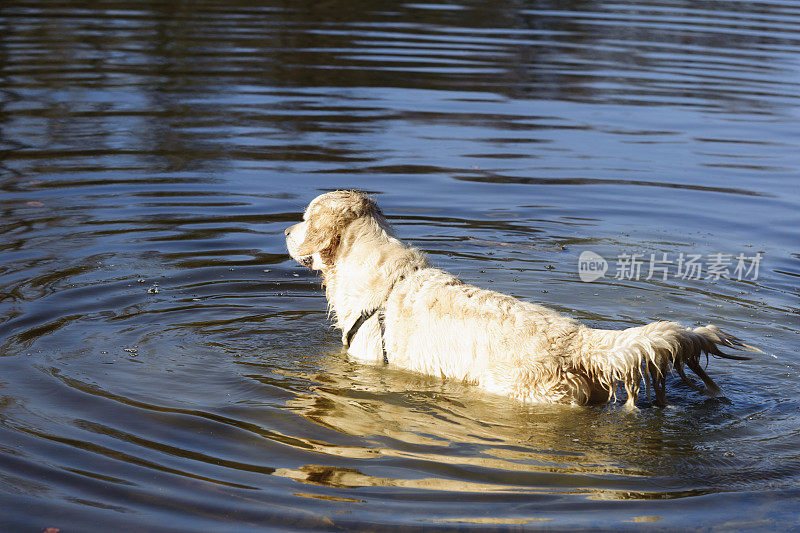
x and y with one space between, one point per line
164 366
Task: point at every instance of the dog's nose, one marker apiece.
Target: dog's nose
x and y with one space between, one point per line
287 231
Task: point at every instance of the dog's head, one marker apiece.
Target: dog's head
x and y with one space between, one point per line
316 241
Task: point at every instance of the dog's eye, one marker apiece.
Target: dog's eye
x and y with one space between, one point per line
307 261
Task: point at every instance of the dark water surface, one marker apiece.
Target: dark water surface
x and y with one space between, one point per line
165 367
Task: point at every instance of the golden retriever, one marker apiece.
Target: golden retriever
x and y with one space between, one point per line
394 308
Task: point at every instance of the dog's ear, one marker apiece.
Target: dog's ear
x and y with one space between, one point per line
329 218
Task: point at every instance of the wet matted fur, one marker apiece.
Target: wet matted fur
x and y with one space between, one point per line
393 307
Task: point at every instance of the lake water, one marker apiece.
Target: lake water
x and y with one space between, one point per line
164 366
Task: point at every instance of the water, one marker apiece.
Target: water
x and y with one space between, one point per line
165 366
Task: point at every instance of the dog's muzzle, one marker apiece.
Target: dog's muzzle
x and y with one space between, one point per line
292 244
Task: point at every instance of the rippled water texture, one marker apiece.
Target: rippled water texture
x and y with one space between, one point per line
165 367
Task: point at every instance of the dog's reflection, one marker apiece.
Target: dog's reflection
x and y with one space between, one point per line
455 437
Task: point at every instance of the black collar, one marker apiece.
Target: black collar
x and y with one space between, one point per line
366 315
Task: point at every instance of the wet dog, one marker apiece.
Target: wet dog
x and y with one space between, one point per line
394 308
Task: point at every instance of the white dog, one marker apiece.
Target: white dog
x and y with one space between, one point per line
394 308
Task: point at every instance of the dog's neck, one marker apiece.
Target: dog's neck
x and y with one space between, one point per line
365 270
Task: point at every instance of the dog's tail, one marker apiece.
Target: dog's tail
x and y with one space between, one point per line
649 352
